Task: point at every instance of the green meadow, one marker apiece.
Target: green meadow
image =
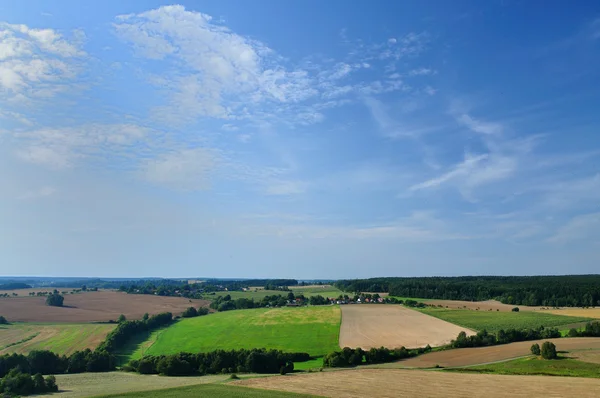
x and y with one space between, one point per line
493 321
314 330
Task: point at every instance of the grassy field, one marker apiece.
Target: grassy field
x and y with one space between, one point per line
211 390
537 366
60 338
306 329
259 293
494 321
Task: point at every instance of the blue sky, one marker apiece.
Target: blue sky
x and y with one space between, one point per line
301 139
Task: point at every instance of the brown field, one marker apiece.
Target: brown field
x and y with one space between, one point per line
592 356
584 312
372 325
482 305
482 355
415 383
99 306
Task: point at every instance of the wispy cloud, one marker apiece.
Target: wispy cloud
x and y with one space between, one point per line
188 169
582 227
39 193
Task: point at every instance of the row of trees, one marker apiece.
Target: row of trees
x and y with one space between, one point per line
483 338
47 362
192 312
353 357
547 351
17 383
219 361
225 303
591 329
551 291
125 330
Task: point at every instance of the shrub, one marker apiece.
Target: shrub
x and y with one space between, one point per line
535 349
55 300
515 309
548 350
190 313
3 320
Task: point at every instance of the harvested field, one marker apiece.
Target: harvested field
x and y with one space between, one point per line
414 383
583 312
392 326
483 355
61 339
591 356
99 306
92 384
481 305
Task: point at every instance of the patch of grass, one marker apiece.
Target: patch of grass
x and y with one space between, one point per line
312 364
537 366
325 291
494 320
211 390
59 338
314 330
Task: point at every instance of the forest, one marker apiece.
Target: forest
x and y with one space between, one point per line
551 291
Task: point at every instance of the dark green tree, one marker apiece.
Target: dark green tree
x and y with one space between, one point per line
3 320
121 318
516 309
535 349
548 350
55 299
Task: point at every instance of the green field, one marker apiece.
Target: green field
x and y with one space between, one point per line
212 390
537 366
314 330
259 293
59 338
494 320
325 291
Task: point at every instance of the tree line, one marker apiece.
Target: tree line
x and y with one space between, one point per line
484 338
348 357
217 362
591 329
551 291
125 330
226 303
17 383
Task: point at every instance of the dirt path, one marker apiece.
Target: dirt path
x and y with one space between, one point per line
481 355
388 383
377 325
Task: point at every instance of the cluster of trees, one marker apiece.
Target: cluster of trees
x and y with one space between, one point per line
192 312
47 362
353 357
591 329
3 320
225 303
55 299
178 288
14 286
219 361
551 291
127 329
17 383
548 350
483 338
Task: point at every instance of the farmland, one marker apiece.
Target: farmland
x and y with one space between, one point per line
481 355
477 305
493 321
98 306
212 390
314 290
59 338
392 326
537 366
259 293
577 312
414 383
306 329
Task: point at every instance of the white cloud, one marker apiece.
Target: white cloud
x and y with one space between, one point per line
421 72
36 62
62 147
581 227
284 188
224 72
465 169
187 169
40 193
479 126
